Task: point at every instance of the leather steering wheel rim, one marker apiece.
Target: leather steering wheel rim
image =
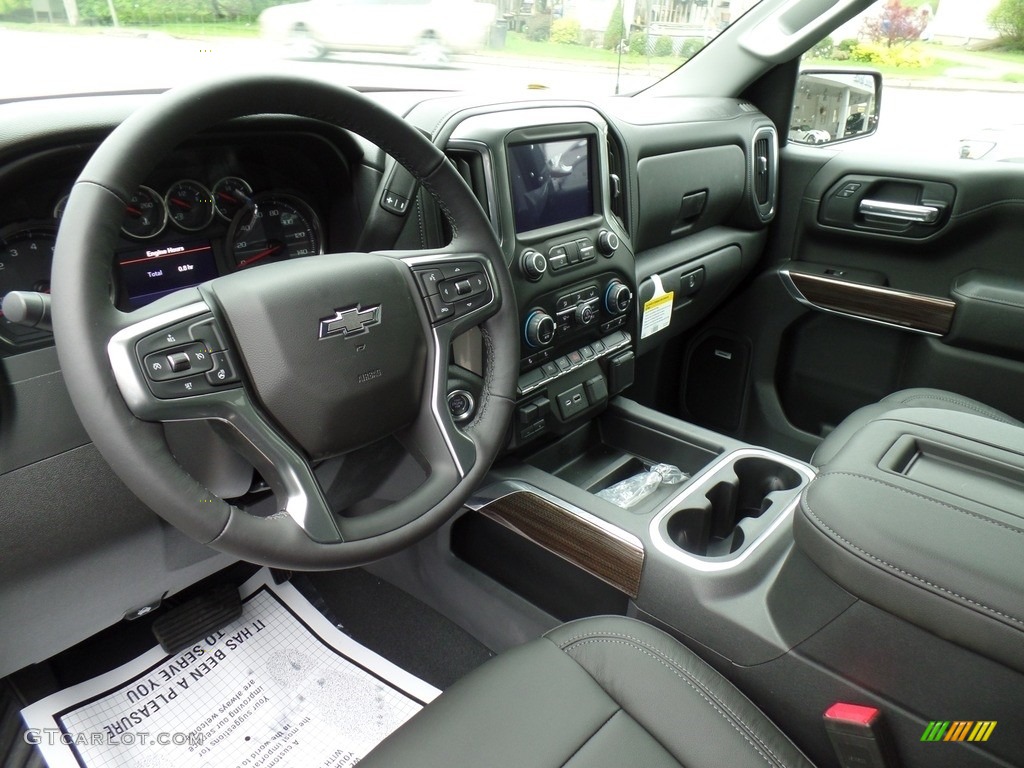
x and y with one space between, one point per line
85 321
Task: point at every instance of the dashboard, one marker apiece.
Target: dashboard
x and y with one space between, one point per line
219 204
600 209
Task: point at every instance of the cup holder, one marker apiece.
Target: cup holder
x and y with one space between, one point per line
708 525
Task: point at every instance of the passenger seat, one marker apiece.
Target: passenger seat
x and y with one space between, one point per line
907 398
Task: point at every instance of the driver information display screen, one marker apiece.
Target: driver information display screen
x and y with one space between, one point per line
550 182
150 273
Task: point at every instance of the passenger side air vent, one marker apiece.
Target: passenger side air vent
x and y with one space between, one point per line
765 160
473 162
617 183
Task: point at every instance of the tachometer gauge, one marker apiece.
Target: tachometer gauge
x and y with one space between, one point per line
230 195
26 258
189 205
275 228
145 216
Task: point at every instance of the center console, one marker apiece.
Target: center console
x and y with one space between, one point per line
569 257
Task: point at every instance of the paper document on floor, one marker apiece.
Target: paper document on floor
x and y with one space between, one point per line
281 686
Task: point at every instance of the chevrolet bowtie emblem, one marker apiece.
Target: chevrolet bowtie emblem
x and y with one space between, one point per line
350 322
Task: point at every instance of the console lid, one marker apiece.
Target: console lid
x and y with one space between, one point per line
921 513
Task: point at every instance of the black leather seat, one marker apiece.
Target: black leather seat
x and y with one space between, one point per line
919 397
597 692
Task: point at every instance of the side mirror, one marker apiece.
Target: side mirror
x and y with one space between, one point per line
835 105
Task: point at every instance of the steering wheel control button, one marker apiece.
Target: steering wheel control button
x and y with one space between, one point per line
179 361
223 371
458 269
169 338
453 290
178 388
439 310
429 280
392 202
461 405
188 361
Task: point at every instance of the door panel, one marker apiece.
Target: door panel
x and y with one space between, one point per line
851 306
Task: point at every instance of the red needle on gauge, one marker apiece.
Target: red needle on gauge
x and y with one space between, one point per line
261 255
134 211
181 203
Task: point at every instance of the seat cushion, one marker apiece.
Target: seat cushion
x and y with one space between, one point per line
598 692
919 397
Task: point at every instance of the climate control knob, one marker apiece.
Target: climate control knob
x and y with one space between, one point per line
539 329
533 264
607 242
617 297
585 314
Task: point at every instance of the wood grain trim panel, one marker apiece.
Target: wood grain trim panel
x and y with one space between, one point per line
914 311
612 558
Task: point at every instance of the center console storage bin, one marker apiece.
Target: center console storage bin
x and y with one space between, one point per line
614 448
921 513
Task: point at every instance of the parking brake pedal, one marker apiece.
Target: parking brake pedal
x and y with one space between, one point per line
198 618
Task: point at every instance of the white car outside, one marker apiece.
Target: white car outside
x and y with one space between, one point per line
429 29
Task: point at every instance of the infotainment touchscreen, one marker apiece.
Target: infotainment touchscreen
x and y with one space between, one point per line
551 182
155 271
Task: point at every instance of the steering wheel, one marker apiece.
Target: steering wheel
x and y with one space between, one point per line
303 360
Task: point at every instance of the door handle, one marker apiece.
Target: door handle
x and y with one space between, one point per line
901 212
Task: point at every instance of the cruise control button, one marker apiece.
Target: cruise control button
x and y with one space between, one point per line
167 339
188 387
179 361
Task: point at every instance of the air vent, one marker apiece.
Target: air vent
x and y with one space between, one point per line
473 163
616 183
765 172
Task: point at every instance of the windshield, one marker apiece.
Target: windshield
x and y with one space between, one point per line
591 47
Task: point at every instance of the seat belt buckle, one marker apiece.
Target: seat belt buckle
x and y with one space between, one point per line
859 736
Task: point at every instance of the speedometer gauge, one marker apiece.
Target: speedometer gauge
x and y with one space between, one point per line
145 215
275 228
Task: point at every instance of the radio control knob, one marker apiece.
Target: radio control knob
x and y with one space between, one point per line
607 242
585 314
539 329
533 264
617 297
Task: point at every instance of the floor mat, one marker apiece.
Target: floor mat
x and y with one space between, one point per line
395 624
281 686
